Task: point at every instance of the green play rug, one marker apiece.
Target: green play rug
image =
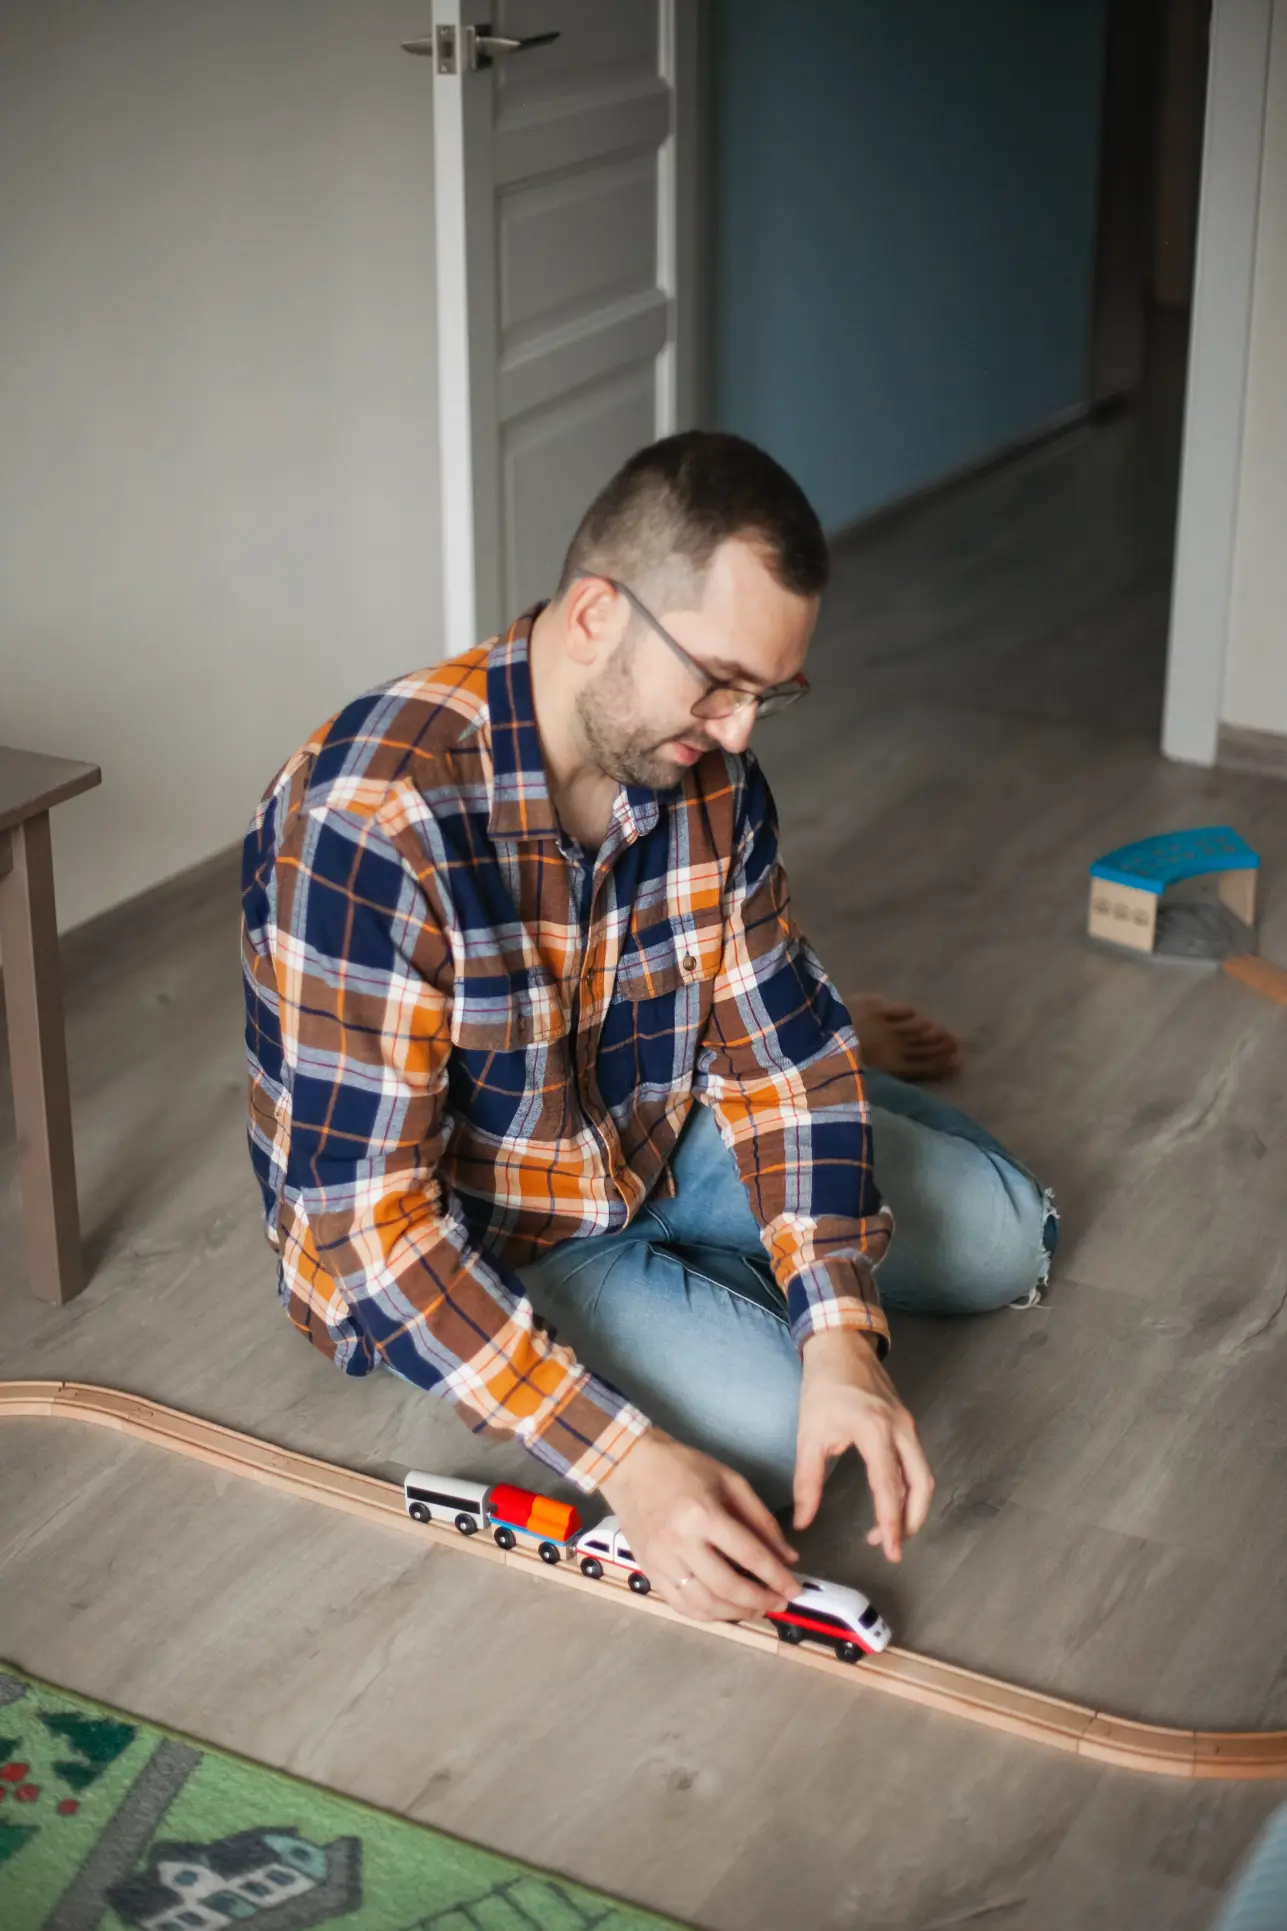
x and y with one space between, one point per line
110 1824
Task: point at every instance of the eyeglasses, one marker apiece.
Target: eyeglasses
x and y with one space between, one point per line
720 698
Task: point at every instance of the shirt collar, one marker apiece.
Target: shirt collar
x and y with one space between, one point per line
521 803
521 806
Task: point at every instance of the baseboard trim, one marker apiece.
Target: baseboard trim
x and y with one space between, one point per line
155 903
1239 748
142 919
873 521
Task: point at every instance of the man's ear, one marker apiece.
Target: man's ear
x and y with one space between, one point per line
591 620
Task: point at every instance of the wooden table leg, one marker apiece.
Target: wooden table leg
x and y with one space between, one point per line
38 1059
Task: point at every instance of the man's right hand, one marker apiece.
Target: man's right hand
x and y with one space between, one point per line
693 1525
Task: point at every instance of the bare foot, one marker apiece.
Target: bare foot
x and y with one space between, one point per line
902 1041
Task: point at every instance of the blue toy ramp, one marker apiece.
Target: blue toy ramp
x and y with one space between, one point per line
1154 863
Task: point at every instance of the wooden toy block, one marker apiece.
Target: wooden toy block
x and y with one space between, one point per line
1126 885
1122 914
1238 891
1047 1720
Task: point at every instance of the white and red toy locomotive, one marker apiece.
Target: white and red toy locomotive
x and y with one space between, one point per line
829 1613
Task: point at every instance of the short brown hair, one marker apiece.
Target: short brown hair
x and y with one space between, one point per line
673 503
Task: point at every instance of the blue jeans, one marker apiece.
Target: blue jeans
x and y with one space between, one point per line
681 1313
1258 1900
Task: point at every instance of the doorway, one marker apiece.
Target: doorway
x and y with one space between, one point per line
1018 280
953 268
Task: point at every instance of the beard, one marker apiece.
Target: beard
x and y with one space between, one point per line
623 746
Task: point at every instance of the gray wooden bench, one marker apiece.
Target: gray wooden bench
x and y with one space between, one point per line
30 786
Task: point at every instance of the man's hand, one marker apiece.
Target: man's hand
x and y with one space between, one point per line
699 1532
848 1401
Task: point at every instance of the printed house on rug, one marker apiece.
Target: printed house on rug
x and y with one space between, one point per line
205 1887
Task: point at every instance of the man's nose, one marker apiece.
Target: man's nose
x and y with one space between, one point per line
732 733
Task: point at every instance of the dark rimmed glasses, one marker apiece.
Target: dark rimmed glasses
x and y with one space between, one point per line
721 697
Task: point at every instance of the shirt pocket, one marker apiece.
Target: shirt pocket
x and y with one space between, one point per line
669 956
506 1019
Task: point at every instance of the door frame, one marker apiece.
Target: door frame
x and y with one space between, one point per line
682 33
1216 388
683 59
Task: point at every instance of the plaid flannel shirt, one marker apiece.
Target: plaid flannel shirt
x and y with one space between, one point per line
466 1046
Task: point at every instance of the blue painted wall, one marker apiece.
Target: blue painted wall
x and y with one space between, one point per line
905 209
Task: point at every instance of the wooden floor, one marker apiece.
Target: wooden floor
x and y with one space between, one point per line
1111 1466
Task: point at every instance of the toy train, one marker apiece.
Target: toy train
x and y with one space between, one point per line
828 1613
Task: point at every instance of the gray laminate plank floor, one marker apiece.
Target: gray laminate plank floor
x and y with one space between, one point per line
1111 1465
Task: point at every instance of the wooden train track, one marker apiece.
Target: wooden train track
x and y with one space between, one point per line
1259 975
1227 1755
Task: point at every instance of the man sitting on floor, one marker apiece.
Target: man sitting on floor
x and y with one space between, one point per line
505 922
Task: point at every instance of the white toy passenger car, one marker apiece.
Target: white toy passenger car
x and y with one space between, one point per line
604 1547
446 1498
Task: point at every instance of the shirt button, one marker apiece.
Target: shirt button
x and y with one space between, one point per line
688 965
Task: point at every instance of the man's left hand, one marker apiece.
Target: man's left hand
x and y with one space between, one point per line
848 1401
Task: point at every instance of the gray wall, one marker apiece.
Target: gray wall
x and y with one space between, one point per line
218 467
905 214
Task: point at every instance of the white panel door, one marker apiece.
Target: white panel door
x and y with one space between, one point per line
559 228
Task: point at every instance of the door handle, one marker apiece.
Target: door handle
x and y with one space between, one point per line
488 45
479 47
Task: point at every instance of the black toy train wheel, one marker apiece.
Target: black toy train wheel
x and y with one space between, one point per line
548 1552
419 1513
848 1652
640 1583
466 1524
790 1634
591 1568
504 1538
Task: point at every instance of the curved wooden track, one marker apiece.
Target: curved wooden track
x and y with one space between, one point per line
1229 1755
